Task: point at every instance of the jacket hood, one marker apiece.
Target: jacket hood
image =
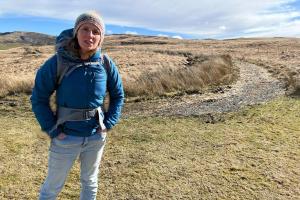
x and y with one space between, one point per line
63 38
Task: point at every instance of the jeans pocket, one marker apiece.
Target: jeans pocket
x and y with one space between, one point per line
101 136
68 142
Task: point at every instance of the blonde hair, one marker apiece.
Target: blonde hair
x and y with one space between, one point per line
72 47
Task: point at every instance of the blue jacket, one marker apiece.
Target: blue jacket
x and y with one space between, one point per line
84 88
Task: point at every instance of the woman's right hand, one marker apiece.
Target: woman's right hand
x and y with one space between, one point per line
61 136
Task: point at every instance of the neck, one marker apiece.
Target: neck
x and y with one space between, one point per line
86 55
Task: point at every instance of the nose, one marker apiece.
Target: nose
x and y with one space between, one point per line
90 33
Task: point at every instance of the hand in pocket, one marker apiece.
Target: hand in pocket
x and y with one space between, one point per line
102 132
61 136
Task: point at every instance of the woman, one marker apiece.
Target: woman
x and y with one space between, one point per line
79 127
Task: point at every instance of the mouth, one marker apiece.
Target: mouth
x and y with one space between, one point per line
89 43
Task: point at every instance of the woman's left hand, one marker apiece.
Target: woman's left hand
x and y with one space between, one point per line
99 130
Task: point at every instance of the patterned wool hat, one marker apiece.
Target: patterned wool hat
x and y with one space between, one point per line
90 17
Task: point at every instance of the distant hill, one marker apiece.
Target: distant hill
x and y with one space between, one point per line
18 38
30 38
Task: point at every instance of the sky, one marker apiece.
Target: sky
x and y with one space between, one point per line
187 19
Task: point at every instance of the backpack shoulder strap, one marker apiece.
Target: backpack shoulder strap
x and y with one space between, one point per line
106 62
61 67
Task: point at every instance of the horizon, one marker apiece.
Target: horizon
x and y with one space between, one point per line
116 34
235 19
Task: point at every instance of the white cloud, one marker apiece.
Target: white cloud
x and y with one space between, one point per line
290 29
177 37
206 18
131 33
109 32
162 35
223 28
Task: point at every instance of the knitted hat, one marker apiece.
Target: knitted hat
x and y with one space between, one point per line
90 17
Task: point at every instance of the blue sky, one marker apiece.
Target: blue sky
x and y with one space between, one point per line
195 19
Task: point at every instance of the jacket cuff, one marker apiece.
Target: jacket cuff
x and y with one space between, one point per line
108 126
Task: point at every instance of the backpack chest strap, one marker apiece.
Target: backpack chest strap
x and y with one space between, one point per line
65 114
80 65
71 114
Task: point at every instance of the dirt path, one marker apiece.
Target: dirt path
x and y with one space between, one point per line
254 86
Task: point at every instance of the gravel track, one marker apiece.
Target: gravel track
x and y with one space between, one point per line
255 85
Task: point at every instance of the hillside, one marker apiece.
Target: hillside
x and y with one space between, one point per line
25 38
161 58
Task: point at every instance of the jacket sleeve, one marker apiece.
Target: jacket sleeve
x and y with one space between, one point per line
116 93
44 86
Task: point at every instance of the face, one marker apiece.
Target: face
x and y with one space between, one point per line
88 36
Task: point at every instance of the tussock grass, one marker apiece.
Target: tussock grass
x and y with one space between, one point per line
252 154
15 84
199 73
293 82
134 54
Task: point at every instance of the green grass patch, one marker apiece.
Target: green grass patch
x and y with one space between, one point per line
10 45
252 154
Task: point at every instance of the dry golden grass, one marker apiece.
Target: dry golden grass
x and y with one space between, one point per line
204 72
138 57
279 55
15 84
144 73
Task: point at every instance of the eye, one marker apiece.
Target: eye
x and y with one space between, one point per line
96 32
84 29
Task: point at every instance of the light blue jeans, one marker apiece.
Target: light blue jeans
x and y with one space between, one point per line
62 154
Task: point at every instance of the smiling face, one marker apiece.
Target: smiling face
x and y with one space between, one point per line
88 37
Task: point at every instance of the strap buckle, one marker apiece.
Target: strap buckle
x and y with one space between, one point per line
88 114
85 115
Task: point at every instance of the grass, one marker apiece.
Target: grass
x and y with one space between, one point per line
252 154
9 45
15 84
202 73
136 54
213 72
192 75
